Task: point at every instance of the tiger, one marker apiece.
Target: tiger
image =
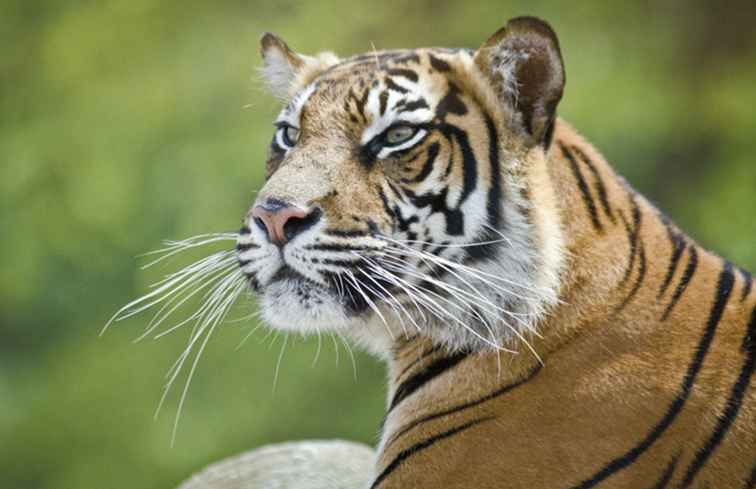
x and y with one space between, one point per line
542 323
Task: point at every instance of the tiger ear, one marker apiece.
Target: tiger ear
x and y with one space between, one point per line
284 70
523 62
280 64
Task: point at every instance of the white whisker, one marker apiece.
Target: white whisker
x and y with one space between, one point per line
387 297
278 362
467 299
168 286
247 336
336 348
351 355
317 351
181 246
391 297
209 324
371 304
162 316
462 266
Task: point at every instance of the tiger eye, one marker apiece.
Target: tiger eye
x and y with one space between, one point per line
399 134
291 134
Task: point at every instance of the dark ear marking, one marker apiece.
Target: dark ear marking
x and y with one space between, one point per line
272 45
524 64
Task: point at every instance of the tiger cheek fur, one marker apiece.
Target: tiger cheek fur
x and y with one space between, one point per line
543 324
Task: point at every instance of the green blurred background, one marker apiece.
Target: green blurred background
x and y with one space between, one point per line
124 122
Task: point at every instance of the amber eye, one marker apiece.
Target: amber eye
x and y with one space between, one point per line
291 135
287 136
399 134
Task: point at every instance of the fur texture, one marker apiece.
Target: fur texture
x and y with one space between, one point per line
544 325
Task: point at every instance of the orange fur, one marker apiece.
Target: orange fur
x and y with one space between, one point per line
641 375
607 378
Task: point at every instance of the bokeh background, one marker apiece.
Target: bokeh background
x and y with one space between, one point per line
125 122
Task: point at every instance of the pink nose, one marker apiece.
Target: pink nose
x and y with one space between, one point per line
283 222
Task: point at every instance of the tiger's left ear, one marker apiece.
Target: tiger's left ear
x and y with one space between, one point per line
523 62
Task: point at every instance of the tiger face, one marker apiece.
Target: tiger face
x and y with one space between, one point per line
407 193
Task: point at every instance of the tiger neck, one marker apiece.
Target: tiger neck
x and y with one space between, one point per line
633 289
601 220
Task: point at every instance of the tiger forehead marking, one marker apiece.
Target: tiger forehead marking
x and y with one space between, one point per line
365 95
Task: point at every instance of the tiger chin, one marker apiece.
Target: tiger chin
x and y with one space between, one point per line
543 324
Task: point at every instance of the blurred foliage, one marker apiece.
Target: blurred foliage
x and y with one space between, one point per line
125 122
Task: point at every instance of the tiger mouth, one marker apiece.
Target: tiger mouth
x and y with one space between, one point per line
340 291
286 272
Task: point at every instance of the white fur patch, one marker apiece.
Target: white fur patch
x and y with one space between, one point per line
392 116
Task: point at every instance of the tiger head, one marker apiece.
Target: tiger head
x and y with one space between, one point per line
407 192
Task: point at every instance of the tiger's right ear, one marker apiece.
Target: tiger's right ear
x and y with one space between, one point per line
283 68
280 64
523 63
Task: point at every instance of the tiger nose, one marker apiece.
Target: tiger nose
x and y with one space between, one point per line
282 221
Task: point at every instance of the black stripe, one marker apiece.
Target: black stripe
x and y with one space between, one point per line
383 100
498 392
391 85
345 234
667 474
360 102
548 135
417 360
678 245
599 182
383 56
586 194
732 408
397 191
684 280
438 64
751 482
494 193
438 367
633 233
451 103
427 168
638 281
387 209
333 247
414 449
469 163
405 348
449 165
245 230
406 58
408 74
412 106
724 289
246 246
345 263
747 284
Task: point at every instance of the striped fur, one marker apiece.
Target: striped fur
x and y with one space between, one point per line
543 324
